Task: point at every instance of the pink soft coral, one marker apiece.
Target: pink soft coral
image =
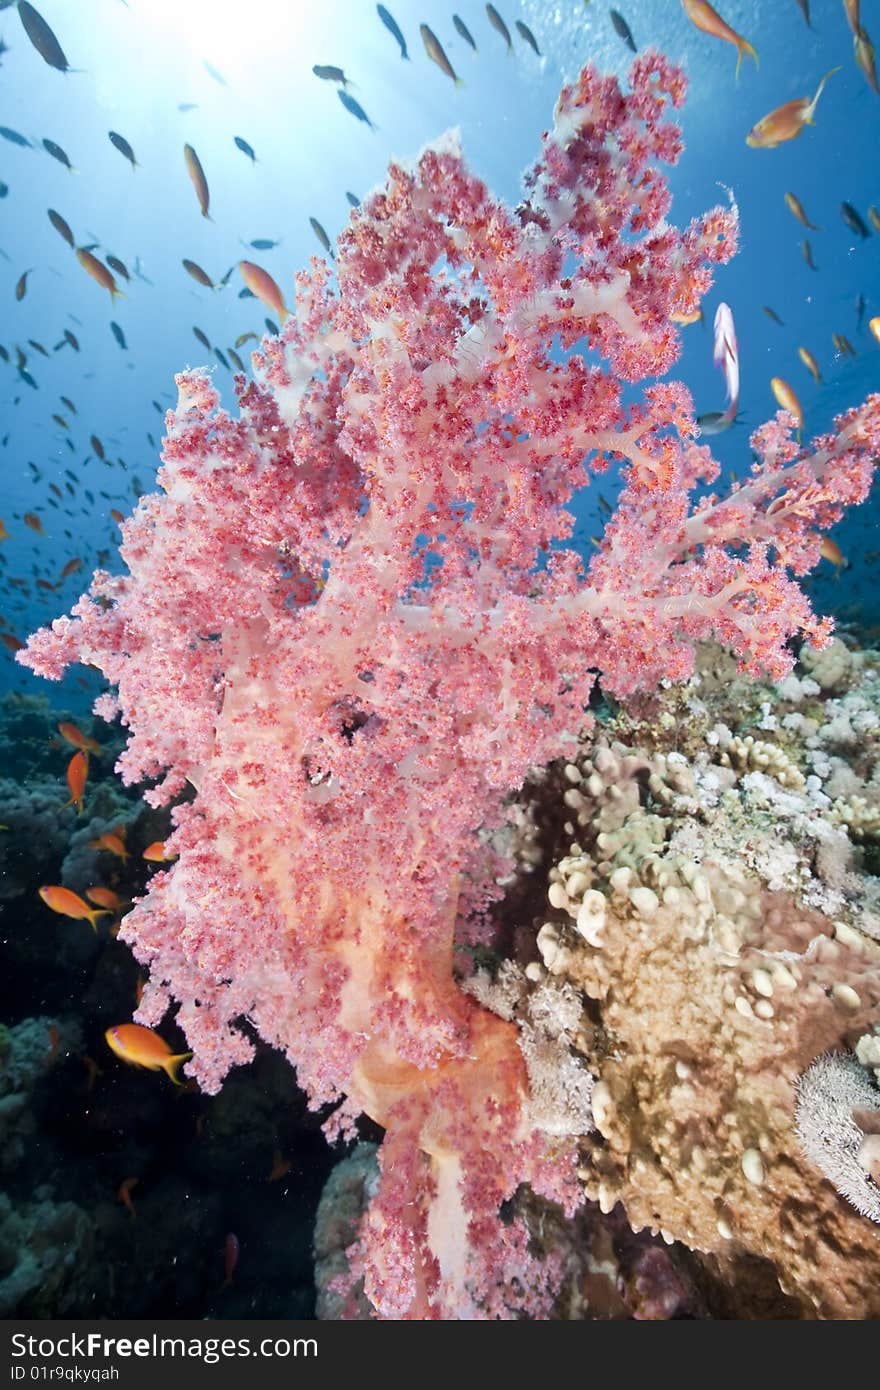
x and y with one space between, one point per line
336 626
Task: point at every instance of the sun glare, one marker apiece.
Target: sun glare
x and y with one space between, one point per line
232 38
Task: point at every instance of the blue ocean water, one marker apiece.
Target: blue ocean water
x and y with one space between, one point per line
135 64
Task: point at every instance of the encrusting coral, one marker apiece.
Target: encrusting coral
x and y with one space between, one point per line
714 964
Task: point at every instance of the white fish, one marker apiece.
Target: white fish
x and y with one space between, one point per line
726 356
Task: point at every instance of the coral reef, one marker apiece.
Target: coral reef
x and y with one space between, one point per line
352 623
721 936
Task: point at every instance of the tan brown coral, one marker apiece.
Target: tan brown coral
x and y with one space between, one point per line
711 995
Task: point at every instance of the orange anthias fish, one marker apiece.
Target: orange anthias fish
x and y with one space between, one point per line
77 772
810 363
830 550
787 400
112 842
79 739
98 271
874 326
33 521
281 1166
93 1071
199 182
71 567
141 1047
155 853
704 17
260 283
70 904
104 897
796 208
786 121
124 1194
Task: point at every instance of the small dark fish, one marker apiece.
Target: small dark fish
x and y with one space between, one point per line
804 7
246 294
464 31
212 72
714 422
239 365
328 73
772 314
843 345
354 107
66 401
220 358
150 440
202 337
4 189
118 335
393 28
61 226
122 145
272 326
58 153
21 285
866 58
245 148
527 34
853 220
860 310
119 266
97 446
42 38
72 339
38 347
321 235
355 202
434 50
188 106
136 486
807 252
157 407
4 354
27 378
262 244
622 29
14 137
227 276
200 276
197 176
498 23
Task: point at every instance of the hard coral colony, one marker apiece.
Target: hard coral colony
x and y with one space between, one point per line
341 598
